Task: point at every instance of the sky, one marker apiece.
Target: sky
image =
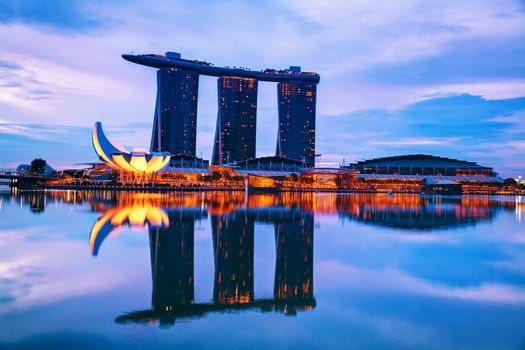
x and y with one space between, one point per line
397 77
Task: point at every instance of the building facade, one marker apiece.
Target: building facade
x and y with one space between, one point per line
296 133
236 120
420 164
176 112
175 122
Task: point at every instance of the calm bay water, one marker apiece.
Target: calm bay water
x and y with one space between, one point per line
130 270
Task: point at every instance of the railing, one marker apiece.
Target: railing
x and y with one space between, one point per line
7 171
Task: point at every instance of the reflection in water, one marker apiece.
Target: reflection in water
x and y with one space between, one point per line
171 218
37 204
422 213
400 211
138 214
519 208
233 243
171 251
372 272
294 258
233 253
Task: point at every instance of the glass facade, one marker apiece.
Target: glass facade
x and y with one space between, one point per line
236 120
175 123
296 135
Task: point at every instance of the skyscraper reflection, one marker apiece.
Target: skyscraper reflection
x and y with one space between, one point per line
233 245
171 251
294 260
233 254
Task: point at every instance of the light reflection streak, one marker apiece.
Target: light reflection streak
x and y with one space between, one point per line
518 208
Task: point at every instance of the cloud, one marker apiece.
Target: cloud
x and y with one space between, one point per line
59 145
62 14
63 146
9 65
37 251
26 283
457 126
419 76
395 281
461 126
19 84
389 33
417 141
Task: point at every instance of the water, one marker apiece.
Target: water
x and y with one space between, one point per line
129 270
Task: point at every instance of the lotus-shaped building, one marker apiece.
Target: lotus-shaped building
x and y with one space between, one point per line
139 161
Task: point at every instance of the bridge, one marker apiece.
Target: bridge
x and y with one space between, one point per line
23 181
5 178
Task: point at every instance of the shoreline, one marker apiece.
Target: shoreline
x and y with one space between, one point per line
166 189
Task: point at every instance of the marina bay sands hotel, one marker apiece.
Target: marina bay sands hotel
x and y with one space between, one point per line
175 123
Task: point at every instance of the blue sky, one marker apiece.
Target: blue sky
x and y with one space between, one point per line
440 77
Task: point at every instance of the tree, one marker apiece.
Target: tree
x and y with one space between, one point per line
38 165
510 182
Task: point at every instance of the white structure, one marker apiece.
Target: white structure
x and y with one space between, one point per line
138 162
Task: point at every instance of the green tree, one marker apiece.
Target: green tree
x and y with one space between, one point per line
38 165
510 182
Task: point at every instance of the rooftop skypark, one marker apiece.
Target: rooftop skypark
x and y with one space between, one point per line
173 59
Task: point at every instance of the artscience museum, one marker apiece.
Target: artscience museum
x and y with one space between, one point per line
138 163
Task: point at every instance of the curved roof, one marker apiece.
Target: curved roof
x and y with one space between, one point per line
431 177
159 61
424 160
120 159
